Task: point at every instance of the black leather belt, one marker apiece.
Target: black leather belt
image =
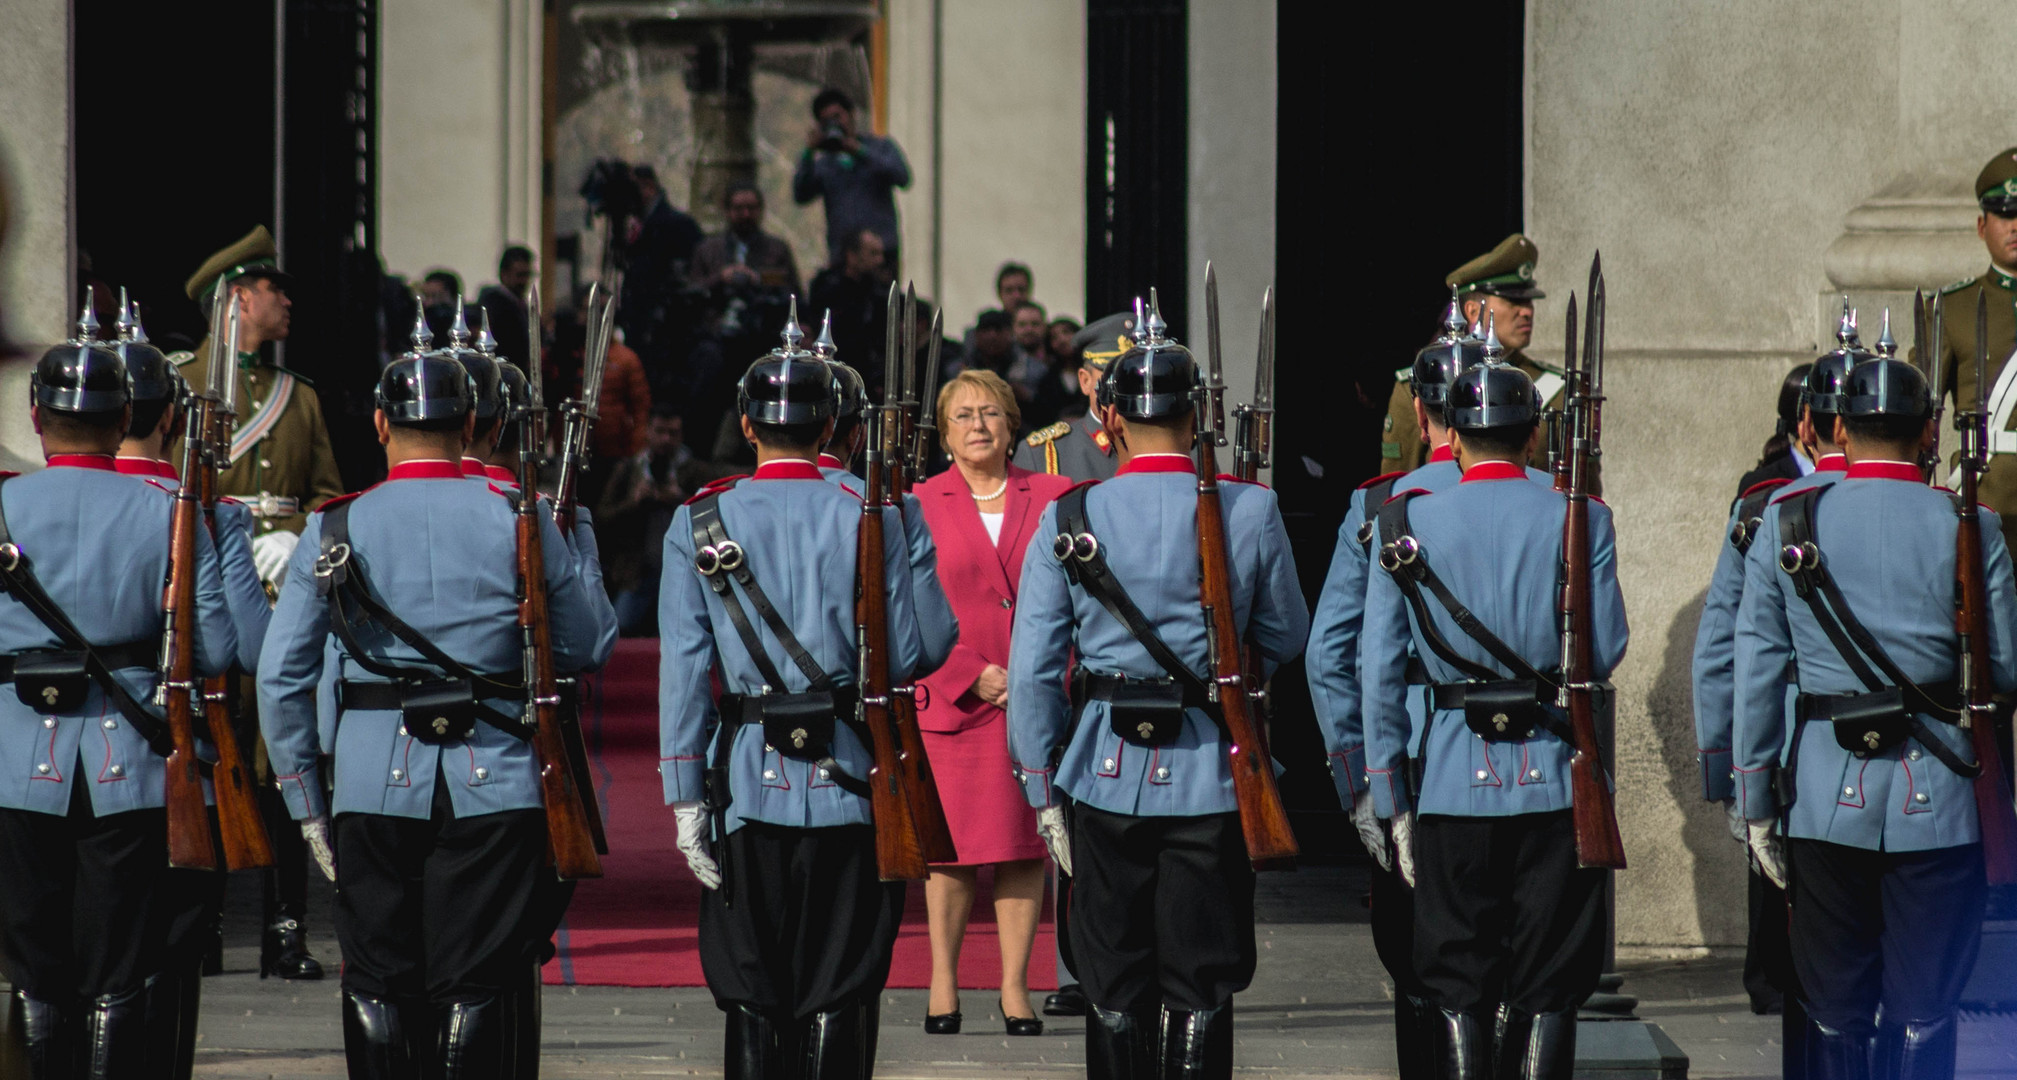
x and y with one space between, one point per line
1452 695
1101 687
132 654
1941 701
373 694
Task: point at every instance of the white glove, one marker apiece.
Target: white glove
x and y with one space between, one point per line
1768 850
1404 845
1738 832
270 554
1051 826
692 820
315 830
1371 833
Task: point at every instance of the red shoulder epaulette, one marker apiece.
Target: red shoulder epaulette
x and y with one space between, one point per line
1763 485
230 499
8 474
1075 487
716 487
495 490
341 499
157 483
1396 474
1230 478
1405 494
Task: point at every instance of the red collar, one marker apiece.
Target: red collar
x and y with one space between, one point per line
140 466
1831 463
1158 463
1442 453
431 469
473 467
1885 470
500 474
828 461
82 461
1495 470
788 469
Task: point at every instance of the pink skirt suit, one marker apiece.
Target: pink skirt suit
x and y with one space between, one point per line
966 737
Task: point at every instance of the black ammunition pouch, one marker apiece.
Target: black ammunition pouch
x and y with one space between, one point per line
799 726
1874 722
1143 712
1500 710
52 680
435 711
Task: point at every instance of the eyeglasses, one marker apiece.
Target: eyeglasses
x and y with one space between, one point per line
971 417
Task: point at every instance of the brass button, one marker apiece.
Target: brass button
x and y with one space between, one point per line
43 769
110 724
399 774
482 773
1109 764
1481 774
770 774
1163 773
1920 798
1533 774
1848 791
117 770
49 721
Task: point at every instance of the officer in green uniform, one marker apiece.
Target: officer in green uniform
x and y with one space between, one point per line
281 465
1996 193
282 468
1081 448
1499 287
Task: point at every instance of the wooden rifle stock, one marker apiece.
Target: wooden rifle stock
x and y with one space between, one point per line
1271 844
239 822
1992 788
189 843
567 831
899 853
927 809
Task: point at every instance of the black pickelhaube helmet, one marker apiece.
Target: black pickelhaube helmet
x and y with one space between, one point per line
1830 373
480 362
850 393
1493 394
788 385
153 376
1156 378
425 384
82 375
1886 385
1454 352
514 390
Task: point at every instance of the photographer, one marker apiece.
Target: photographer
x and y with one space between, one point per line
855 173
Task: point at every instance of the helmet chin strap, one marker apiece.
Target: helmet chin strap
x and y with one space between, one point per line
1108 420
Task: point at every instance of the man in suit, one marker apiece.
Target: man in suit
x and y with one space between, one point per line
1881 852
1162 906
1508 930
1082 449
439 834
84 890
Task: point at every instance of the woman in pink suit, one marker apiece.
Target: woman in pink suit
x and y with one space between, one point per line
981 513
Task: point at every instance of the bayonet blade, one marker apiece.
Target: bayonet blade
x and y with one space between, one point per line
1264 371
591 378
1215 377
892 338
230 376
1569 344
535 375
909 353
1593 334
1937 341
1981 352
931 362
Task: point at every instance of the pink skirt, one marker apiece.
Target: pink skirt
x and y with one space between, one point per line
991 821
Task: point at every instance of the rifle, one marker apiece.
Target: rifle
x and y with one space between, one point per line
926 443
1930 351
927 810
1253 424
1598 843
899 851
1271 844
206 451
580 414
1992 785
189 844
568 834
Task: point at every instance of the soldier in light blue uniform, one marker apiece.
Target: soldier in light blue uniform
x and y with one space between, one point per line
1162 900
439 829
1881 844
1508 931
1332 667
1767 960
796 929
83 830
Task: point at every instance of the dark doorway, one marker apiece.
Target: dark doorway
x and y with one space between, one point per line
1137 155
1390 172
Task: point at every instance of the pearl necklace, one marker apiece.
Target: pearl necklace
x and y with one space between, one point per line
993 495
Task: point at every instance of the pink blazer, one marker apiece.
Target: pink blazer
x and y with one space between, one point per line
981 580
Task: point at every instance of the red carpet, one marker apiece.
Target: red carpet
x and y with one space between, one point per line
636 925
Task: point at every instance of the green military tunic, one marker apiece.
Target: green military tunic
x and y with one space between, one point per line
1998 488
280 450
1401 445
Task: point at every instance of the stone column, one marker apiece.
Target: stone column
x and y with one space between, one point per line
38 269
1232 180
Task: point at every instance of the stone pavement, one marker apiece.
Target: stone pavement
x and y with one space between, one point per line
1320 1006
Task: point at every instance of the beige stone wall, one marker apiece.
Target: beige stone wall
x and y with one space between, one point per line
1716 152
1232 179
36 151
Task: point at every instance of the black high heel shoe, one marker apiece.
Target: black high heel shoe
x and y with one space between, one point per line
943 1023
1019 1025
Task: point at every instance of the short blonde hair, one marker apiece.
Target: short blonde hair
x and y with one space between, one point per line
987 383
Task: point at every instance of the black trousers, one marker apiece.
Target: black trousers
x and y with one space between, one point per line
1504 915
189 905
1896 928
1768 948
440 910
1393 912
806 926
1162 910
80 899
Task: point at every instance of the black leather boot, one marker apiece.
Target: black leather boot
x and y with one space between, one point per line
1464 1047
1917 1049
171 1003
751 1050
116 1035
475 1039
1550 1051
378 1039
832 1045
525 1027
1836 1055
1197 1045
1509 1040
1793 1031
1119 1045
283 951
1415 1027
47 1036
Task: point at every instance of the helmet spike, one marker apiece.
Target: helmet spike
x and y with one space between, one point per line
822 346
485 344
1141 321
1495 353
1453 317
134 331
87 321
122 326
1887 346
793 333
422 338
458 331
1156 325
1845 331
